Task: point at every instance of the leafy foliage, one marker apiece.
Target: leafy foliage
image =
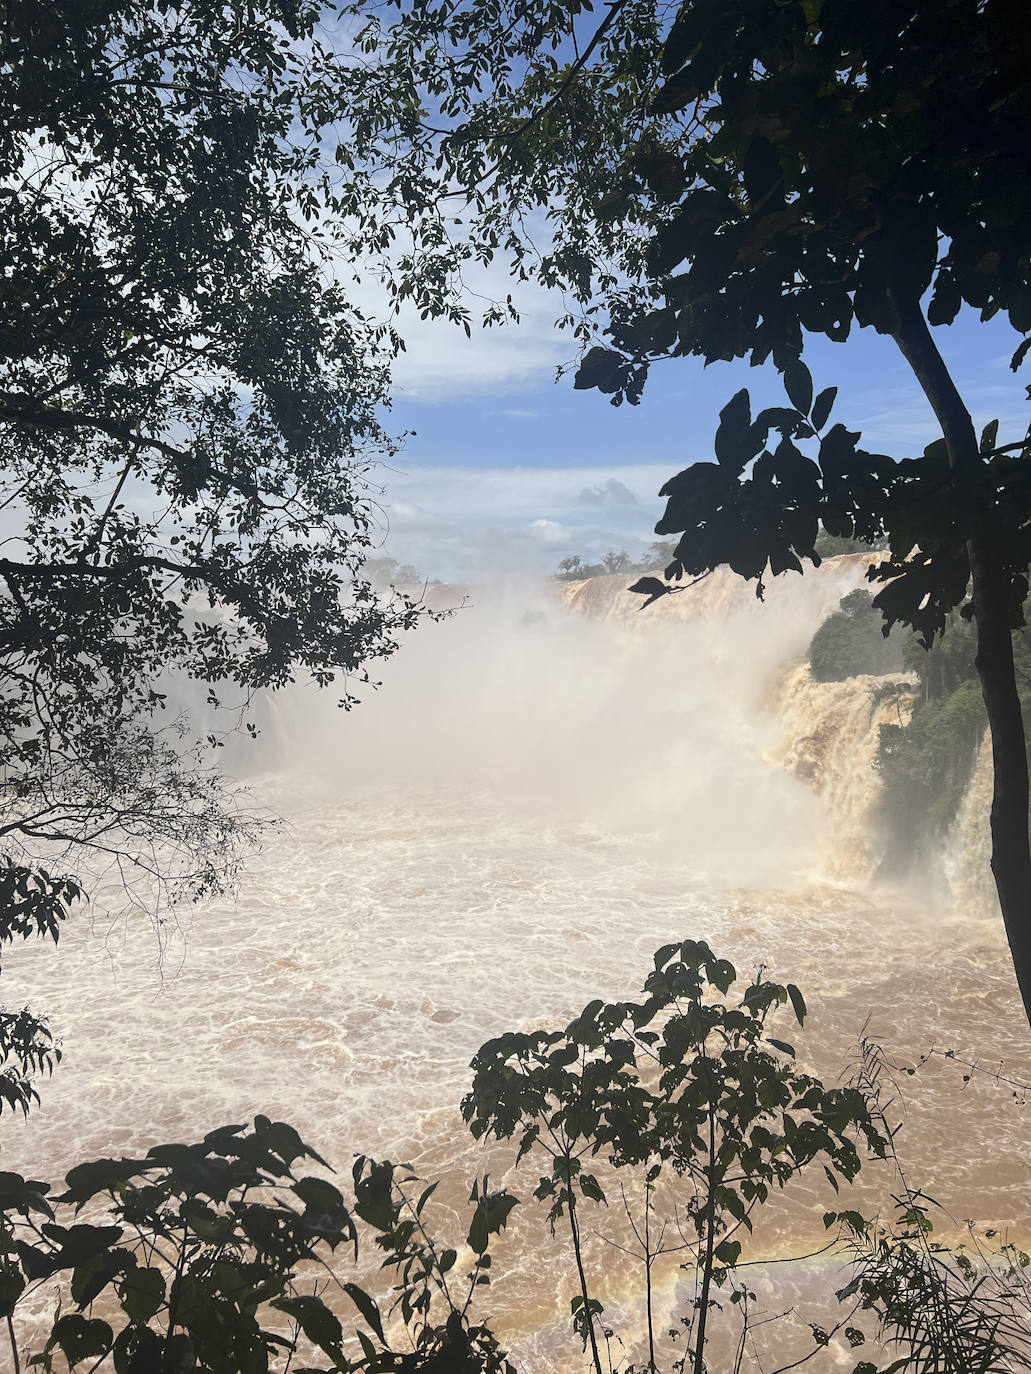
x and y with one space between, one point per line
761 506
682 1083
574 569
188 408
944 1310
225 1256
719 184
208 1257
32 902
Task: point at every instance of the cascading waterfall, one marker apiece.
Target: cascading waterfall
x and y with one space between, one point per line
830 743
968 847
829 731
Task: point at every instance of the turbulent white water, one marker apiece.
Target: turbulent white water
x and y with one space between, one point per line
546 787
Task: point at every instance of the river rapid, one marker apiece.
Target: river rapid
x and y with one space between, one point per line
547 787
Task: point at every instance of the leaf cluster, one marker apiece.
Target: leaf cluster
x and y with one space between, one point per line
209 1256
189 407
682 1082
720 182
32 903
941 1308
761 506
755 173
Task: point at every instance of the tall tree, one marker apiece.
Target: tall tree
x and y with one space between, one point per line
188 409
723 179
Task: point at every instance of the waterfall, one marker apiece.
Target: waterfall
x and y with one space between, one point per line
832 734
968 846
826 732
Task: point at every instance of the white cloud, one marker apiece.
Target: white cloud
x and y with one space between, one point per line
549 532
440 363
460 523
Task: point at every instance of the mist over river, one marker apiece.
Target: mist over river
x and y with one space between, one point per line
547 787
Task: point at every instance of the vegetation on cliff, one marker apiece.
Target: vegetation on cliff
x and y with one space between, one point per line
926 764
851 642
927 757
574 569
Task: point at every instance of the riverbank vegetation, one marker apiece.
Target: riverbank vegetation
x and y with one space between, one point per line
574 569
240 1254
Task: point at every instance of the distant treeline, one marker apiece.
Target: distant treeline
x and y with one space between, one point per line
659 556
388 572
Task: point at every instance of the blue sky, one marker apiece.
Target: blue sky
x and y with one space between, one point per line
508 472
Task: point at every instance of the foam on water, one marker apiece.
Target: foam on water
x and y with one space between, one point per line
530 805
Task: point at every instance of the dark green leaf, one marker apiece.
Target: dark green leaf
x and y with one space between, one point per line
80 1338
319 1324
590 1187
138 1350
602 368
798 383
822 407
721 973
427 1193
366 1307
736 442
478 1238
651 588
798 1003
142 1292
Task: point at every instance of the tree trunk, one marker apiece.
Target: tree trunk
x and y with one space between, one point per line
1011 854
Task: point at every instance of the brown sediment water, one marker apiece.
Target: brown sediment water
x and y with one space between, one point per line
545 789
